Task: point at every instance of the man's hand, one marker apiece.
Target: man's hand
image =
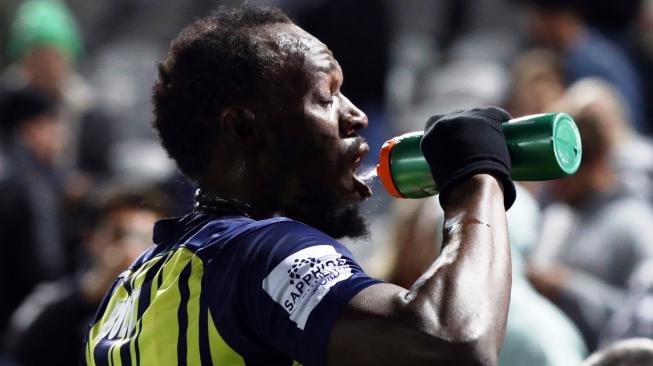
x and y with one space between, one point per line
455 313
462 144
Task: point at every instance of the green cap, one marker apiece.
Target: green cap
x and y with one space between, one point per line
543 146
566 144
44 22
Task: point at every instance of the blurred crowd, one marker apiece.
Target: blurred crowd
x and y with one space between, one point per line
83 178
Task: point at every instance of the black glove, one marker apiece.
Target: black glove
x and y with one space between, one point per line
462 144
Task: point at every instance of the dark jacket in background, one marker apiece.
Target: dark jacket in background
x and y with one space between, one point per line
30 229
49 327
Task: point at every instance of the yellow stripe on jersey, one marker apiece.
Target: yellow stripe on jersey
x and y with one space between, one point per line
106 322
152 339
193 314
157 340
115 356
89 361
159 329
221 353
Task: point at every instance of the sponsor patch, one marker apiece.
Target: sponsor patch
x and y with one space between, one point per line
302 280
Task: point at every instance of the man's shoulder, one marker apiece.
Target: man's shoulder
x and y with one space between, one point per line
273 237
237 228
284 228
209 235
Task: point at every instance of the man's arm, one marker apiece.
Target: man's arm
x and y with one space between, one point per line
456 312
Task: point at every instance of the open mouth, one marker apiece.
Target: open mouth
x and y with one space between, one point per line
359 185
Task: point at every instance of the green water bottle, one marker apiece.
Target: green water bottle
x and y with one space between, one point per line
541 146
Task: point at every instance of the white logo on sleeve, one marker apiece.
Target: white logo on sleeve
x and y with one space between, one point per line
302 280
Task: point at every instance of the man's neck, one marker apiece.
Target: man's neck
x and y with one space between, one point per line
213 200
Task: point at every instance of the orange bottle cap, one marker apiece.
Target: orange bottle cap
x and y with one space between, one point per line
383 169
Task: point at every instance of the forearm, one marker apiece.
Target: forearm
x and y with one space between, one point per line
455 314
464 295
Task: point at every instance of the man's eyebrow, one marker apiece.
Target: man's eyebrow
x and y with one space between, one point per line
328 67
326 63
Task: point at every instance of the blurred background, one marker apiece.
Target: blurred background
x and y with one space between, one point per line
83 178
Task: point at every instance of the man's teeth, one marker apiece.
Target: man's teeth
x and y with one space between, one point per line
356 164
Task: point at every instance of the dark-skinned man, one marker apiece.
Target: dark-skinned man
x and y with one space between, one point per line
249 106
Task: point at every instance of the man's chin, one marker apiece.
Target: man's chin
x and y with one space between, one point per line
345 221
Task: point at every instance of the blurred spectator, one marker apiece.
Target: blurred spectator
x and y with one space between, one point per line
631 352
48 328
632 154
641 49
44 45
597 232
549 338
635 317
559 24
44 40
30 196
545 339
537 81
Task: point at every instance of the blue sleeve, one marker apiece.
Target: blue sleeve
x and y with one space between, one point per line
301 281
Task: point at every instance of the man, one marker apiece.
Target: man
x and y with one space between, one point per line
597 231
249 105
45 45
120 234
31 196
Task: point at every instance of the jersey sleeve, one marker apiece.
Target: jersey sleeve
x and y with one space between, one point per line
302 281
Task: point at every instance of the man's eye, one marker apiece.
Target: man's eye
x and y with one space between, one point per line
326 101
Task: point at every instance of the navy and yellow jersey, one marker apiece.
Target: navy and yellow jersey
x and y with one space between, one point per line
226 290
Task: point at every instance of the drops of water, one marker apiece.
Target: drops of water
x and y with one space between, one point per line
367 174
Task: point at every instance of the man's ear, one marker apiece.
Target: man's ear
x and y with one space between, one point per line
239 124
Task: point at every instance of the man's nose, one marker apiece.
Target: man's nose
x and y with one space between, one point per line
352 119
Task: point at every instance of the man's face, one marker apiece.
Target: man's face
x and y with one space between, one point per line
46 136
123 235
47 69
317 144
